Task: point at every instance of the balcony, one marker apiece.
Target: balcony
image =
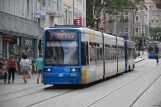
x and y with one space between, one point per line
52 8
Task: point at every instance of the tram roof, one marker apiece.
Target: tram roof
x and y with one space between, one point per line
84 29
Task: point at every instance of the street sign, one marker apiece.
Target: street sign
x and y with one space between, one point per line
78 21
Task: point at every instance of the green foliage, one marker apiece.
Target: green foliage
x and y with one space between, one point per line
94 8
155 30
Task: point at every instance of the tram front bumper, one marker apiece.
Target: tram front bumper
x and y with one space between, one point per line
61 78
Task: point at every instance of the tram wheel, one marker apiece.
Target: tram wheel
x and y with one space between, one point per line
129 68
133 66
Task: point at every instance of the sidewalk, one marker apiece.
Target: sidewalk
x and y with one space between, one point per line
141 57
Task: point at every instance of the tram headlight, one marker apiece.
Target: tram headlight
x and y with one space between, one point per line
47 69
74 69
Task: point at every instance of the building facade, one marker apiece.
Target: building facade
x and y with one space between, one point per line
19 31
124 24
77 15
141 26
61 12
50 12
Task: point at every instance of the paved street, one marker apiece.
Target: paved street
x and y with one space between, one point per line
138 88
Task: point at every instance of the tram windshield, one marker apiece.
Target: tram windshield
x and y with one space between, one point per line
152 49
61 47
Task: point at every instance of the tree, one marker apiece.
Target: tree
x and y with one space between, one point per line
94 8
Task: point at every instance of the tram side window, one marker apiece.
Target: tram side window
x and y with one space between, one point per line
106 52
110 53
92 52
101 53
98 52
84 53
123 52
119 52
114 52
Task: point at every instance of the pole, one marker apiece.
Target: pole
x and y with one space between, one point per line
116 8
133 24
73 12
66 16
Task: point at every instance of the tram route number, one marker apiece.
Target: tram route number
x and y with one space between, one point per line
73 75
61 75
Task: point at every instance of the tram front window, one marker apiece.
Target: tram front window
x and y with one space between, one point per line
152 48
61 51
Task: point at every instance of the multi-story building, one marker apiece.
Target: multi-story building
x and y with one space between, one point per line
75 14
147 16
50 12
154 12
124 24
60 12
19 31
141 26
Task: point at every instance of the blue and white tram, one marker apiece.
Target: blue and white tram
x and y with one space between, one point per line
154 50
129 55
80 56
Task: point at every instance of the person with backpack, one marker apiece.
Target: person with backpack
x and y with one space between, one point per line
12 66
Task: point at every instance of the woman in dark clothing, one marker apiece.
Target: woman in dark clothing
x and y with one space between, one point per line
12 68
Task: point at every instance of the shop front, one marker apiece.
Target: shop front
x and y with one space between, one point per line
18 36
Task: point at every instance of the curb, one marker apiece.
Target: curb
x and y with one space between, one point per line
139 60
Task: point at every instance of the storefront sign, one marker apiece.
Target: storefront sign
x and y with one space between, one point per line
40 14
78 21
8 39
28 42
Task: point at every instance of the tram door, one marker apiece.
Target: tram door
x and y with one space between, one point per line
93 61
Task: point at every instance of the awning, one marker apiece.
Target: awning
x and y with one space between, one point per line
17 26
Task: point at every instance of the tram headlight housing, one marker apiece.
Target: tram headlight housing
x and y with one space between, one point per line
75 70
47 69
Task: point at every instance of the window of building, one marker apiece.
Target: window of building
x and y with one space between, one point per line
83 5
57 4
125 30
27 8
125 13
49 3
43 3
136 29
79 1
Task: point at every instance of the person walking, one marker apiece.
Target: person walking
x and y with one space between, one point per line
12 66
5 71
39 64
157 59
25 67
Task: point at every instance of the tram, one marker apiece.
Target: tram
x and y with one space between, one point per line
81 55
154 50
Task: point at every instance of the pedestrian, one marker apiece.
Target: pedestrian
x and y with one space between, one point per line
157 56
25 67
12 66
1 66
157 59
5 71
39 64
